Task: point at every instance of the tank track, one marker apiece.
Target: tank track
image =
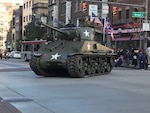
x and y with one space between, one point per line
78 66
35 66
84 66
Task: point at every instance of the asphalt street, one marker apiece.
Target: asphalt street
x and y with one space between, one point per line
124 90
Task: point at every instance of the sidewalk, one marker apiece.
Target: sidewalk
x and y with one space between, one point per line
6 107
131 66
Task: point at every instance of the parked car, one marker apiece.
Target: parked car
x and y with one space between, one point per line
15 54
4 55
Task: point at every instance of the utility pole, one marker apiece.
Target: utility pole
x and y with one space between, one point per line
146 20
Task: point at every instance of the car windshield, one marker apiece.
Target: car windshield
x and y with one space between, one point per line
17 52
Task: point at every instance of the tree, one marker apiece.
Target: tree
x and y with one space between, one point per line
33 31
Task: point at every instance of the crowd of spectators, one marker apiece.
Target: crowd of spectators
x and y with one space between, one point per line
134 57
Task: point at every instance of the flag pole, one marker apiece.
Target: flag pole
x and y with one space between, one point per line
104 31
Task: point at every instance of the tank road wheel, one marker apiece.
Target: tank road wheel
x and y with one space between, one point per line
76 67
99 69
103 67
93 69
108 67
89 71
35 66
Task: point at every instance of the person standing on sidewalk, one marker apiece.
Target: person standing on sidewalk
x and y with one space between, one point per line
134 61
127 58
141 59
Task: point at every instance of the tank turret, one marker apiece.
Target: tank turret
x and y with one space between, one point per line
67 33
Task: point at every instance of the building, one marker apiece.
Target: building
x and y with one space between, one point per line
127 28
32 9
27 15
40 11
16 29
6 14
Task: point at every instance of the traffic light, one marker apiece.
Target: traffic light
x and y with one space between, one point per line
114 11
84 6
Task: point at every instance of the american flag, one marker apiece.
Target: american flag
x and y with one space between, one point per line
97 21
108 28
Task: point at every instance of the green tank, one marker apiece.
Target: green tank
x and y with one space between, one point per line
78 52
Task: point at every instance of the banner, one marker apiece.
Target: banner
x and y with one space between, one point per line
68 11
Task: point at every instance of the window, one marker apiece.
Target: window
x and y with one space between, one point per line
24 19
24 6
24 33
30 17
51 14
27 4
1 38
1 43
53 1
76 5
119 15
13 37
63 8
13 21
80 5
127 13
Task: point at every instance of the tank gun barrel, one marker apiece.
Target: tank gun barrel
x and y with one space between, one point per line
51 27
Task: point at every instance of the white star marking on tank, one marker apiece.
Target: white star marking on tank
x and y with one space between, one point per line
86 33
54 57
88 46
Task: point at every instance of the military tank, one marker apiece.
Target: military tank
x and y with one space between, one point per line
78 52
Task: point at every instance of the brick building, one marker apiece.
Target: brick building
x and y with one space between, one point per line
127 30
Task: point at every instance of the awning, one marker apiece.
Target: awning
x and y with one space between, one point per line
127 38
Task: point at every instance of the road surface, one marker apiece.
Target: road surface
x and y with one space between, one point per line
122 91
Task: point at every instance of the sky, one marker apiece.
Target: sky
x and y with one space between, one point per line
12 1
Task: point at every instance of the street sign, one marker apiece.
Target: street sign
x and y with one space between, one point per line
138 14
105 9
93 9
146 27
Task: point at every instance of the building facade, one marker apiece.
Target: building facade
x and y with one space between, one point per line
27 15
33 9
6 15
16 29
128 30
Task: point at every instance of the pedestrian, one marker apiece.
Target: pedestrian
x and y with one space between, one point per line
1 56
142 60
127 58
134 61
146 62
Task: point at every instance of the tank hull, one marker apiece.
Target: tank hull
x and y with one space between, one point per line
75 65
